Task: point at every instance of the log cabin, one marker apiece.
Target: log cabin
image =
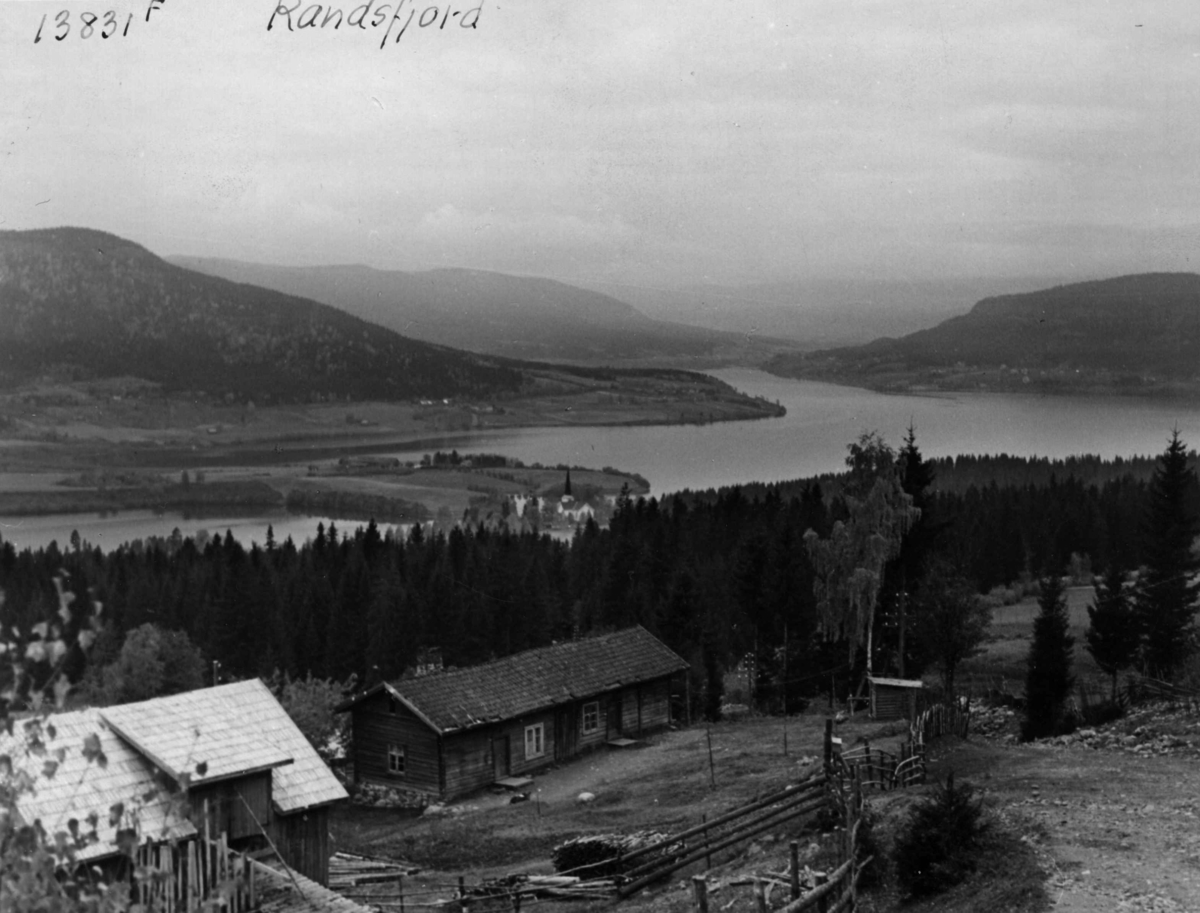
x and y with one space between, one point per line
453 732
223 764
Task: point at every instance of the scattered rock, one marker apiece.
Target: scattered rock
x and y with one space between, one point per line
585 798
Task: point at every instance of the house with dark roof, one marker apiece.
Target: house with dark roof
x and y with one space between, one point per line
224 764
453 732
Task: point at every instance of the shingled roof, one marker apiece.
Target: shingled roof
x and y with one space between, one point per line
79 787
533 680
233 730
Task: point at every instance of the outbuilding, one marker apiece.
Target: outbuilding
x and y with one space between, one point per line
452 732
896 698
181 773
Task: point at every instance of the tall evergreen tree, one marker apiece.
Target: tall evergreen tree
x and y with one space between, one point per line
1167 591
1113 636
902 576
1049 679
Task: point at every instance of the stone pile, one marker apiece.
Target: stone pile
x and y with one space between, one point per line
1148 730
993 722
1142 740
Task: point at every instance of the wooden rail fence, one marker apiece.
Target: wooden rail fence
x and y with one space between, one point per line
657 860
940 720
838 789
833 891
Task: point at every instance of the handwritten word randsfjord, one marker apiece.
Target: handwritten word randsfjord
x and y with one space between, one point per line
399 17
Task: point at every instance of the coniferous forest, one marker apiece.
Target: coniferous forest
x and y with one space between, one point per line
717 575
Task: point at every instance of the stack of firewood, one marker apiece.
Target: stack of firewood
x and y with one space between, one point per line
598 855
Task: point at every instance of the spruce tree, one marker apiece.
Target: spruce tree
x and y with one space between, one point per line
1167 591
1048 680
903 576
1113 636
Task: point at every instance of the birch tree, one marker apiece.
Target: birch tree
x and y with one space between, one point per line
849 563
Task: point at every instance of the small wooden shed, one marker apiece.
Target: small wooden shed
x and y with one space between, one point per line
232 750
450 733
896 698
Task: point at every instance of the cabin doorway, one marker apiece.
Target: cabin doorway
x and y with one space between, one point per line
500 758
614 717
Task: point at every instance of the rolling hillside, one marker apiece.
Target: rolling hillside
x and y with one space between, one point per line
1138 333
77 303
492 313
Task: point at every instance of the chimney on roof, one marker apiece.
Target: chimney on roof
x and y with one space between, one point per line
429 660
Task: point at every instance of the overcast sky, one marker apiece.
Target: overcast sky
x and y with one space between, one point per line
656 143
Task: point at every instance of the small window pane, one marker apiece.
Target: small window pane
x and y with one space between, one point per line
535 745
397 762
591 717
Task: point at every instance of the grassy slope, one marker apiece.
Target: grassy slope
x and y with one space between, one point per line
666 786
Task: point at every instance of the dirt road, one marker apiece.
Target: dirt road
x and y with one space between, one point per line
1116 831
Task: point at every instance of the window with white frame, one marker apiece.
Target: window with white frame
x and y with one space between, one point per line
397 762
591 717
535 741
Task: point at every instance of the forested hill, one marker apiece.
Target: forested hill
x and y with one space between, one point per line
1128 333
715 578
80 303
523 317
958 474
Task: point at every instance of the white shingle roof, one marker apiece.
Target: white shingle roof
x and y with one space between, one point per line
231 729
80 787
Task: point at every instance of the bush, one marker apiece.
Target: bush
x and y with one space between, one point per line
939 844
867 846
1093 711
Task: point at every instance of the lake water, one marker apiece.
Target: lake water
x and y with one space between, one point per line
821 420
107 531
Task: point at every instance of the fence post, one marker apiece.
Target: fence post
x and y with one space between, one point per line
828 742
760 896
712 772
795 868
400 891
822 902
700 886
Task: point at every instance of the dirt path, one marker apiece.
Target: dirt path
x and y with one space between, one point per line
1115 831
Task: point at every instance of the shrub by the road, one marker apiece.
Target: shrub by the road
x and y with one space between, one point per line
939 844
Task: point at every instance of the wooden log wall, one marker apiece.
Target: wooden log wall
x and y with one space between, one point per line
380 722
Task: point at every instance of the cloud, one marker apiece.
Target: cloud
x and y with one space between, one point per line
766 139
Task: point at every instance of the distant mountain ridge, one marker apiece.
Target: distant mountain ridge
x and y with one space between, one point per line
520 317
86 303
1127 332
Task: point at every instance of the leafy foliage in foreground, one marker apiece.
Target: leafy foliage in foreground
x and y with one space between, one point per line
39 870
